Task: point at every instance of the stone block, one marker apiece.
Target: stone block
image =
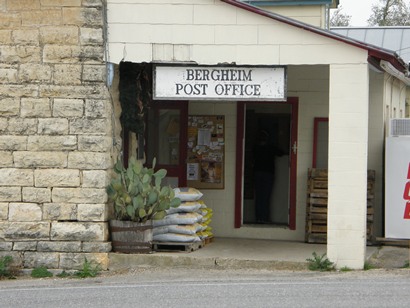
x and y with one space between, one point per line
13 143
61 54
10 194
5 35
96 247
79 231
59 211
62 35
92 3
22 126
98 91
9 106
35 73
91 36
24 212
36 259
19 54
8 74
57 178
59 246
68 107
16 177
23 5
94 143
25 246
95 178
23 231
18 91
82 16
67 74
90 126
79 195
94 73
35 107
6 159
10 20
5 246
97 108
4 210
3 125
92 55
51 143
28 159
76 260
89 160
41 17
25 37
61 3
35 194
92 212
53 126
16 255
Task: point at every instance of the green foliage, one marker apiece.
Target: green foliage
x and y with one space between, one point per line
320 263
368 266
339 19
41 272
5 271
406 264
137 193
88 270
390 13
63 274
345 269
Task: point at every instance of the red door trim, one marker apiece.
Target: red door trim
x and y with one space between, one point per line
315 136
240 135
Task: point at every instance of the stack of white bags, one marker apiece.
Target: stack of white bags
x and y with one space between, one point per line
189 222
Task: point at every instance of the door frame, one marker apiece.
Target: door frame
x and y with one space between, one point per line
240 157
180 169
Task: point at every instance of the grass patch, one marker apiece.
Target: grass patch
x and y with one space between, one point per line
368 266
320 263
5 271
41 272
345 269
406 264
88 270
63 274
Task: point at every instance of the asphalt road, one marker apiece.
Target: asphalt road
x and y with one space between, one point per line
214 288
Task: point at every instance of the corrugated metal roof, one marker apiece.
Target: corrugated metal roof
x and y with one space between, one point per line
287 2
393 38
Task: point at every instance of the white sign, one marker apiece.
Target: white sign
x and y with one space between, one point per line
397 188
217 82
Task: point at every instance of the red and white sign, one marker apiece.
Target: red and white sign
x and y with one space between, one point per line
397 188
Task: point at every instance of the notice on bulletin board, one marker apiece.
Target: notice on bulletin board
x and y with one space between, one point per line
206 151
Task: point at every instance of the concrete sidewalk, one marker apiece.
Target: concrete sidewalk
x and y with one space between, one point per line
256 254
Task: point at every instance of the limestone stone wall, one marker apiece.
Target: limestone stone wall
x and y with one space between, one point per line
55 133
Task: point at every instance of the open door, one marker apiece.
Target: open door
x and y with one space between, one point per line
166 139
266 179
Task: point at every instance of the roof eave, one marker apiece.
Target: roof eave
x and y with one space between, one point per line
373 51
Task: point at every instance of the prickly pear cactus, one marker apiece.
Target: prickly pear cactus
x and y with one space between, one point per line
137 192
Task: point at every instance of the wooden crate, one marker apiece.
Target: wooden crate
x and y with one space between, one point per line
316 207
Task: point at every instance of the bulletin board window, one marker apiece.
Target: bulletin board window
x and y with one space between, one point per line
206 151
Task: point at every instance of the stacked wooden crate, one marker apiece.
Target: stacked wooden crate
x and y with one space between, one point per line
316 211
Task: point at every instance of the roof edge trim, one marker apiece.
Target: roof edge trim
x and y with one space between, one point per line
373 51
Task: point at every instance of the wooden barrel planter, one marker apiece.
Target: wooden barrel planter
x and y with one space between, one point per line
131 237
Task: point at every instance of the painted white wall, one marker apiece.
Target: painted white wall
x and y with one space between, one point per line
347 188
312 14
211 32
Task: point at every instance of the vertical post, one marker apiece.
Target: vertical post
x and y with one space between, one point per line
348 143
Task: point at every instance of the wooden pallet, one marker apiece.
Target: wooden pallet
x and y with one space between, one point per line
316 206
177 246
